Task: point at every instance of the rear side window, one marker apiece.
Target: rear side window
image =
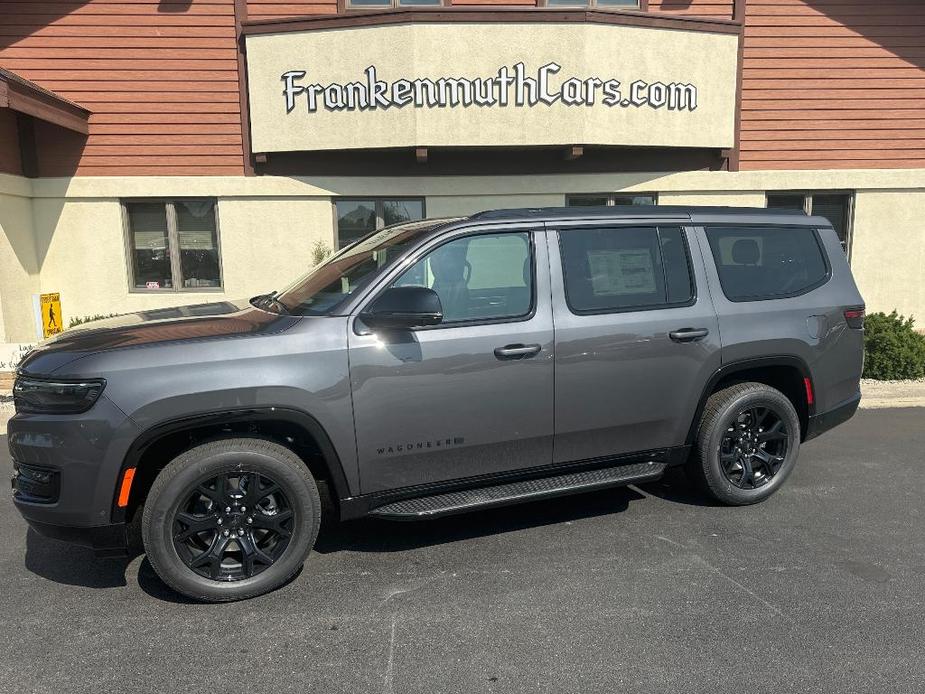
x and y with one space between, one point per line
625 268
757 263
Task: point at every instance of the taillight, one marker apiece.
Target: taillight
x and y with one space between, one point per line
854 317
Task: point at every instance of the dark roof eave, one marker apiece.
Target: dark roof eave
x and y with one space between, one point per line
23 96
414 15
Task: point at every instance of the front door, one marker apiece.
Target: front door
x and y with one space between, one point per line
473 395
636 337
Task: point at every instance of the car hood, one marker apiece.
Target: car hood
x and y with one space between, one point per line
196 322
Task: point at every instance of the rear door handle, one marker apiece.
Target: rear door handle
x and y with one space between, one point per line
688 334
515 351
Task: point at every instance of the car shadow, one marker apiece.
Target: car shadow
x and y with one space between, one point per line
73 565
78 566
674 486
378 535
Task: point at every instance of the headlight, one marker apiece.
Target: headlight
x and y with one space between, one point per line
36 396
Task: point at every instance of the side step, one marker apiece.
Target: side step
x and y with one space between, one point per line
518 492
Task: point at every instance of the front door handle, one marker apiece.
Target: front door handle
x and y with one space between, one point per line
517 351
688 334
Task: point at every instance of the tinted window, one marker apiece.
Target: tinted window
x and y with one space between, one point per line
615 269
478 277
765 263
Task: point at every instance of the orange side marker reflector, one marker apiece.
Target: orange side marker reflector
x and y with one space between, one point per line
126 487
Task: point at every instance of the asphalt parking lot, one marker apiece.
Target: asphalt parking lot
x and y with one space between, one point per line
821 588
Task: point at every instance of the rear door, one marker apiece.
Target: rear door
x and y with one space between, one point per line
471 396
636 336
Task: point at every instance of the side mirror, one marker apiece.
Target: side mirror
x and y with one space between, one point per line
404 307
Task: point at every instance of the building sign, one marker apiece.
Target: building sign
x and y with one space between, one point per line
491 84
52 320
509 87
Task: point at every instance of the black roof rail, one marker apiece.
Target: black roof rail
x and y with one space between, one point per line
627 211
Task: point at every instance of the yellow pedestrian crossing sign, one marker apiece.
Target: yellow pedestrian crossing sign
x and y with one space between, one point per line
51 314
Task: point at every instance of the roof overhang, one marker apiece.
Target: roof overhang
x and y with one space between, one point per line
20 95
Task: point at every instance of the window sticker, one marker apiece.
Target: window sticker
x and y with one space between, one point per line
622 271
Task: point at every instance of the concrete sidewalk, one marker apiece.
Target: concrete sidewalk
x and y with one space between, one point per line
877 395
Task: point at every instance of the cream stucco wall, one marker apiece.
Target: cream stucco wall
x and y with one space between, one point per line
888 250
66 235
19 267
265 243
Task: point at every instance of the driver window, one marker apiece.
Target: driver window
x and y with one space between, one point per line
484 277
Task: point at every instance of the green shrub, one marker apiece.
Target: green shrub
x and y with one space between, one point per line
87 319
320 252
892 348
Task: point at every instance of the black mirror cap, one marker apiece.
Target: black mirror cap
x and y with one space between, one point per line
404 307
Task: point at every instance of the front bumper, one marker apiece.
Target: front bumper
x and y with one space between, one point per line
820 423
65 473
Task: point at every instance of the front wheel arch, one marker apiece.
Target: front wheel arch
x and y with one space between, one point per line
298 431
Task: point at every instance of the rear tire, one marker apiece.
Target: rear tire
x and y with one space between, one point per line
747 444
231 519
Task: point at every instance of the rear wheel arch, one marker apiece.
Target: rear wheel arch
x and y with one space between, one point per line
298 431
785 373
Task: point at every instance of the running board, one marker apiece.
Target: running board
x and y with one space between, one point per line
518 492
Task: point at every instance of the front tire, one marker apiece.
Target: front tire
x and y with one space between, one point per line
231 519
747 443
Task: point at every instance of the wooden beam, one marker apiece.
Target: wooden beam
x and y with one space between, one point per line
41 109
574 152
420 153
28 154
261 158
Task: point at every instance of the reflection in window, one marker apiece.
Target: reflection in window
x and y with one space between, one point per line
173 244
611 199
484 277
358 217
149 246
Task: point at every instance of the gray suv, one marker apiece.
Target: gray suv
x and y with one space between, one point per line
437 367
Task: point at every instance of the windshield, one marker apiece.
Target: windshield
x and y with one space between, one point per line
330 284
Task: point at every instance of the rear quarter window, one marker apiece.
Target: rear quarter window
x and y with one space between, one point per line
759 263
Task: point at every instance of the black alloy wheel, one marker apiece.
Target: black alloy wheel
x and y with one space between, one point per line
233 526
747 443
754 447
231 518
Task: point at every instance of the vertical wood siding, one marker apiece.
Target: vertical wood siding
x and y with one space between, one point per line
833 84
160 78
